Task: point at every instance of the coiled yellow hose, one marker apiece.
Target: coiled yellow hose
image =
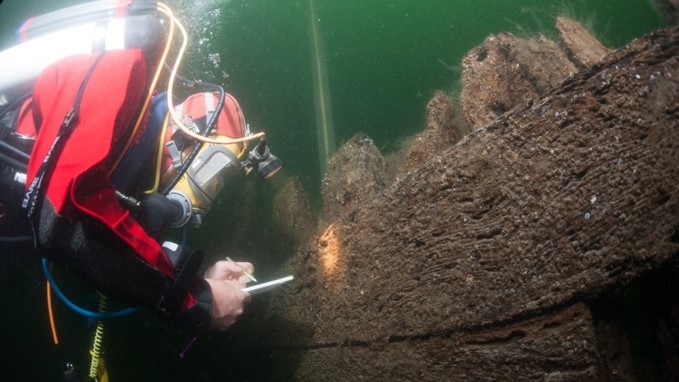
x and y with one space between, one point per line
97 341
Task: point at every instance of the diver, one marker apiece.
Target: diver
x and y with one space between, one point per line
97 164
87 204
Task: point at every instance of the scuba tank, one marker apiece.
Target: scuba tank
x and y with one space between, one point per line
80 29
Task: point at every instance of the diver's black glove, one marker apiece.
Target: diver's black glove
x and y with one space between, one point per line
187 280
156 212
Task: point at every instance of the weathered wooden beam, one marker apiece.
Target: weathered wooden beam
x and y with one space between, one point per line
560 347
553 202
548 206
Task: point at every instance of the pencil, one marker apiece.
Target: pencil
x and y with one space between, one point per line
251 277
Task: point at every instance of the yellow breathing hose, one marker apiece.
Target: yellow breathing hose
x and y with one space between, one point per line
170 87
163 8
154 82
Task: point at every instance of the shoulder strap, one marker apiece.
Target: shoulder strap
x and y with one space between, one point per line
35 191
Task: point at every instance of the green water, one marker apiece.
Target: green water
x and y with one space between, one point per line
382 61
325 128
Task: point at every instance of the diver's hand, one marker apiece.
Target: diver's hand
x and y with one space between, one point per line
229 270
226 280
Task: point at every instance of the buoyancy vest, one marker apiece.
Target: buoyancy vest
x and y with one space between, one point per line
80 184
81 223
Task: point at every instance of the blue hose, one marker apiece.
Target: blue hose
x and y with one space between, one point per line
84 312
15 239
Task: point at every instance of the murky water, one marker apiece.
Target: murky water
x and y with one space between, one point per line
311 73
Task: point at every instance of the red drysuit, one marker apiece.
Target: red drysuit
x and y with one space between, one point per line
78 221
